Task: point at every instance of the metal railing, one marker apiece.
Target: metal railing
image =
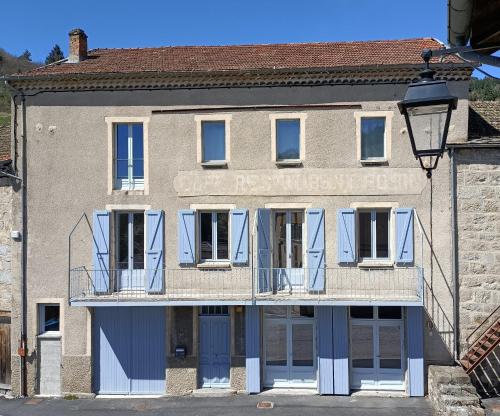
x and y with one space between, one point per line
247 284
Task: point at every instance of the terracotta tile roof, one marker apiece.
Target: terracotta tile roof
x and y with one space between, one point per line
247 57
484 121
4 142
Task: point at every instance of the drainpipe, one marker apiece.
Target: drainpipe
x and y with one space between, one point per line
24 228
454 254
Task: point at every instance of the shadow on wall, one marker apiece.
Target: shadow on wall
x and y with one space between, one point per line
486 376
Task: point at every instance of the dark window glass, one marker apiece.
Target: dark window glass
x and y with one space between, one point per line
362 312
287 139
213 136
51 321
138 150
206 235
122 255
365 234
382 234
122 151
303 311
214 310
389 312
280 240
372 137
296 226
138 251
222 236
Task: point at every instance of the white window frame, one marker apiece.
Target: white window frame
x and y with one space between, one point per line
226 119
141 187
359 115
302 142
214 259
373 258
41 318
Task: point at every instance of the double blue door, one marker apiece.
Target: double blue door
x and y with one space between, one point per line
214 350
129 350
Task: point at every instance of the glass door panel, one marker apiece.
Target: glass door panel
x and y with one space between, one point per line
276 344
390 347
362 346
302 345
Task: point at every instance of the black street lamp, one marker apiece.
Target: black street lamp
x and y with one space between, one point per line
427 108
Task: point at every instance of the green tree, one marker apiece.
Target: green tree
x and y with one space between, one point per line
486 89
56 54
26 55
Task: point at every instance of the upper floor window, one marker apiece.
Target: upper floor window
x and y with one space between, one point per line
373 136
214 236
288 138
129 156
374 234
48 316
213 137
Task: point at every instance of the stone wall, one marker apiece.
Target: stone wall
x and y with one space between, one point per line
5 247
478 205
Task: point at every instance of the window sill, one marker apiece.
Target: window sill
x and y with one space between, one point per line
128 192
369 162
214 164
289 163
376 264
214 265
50 335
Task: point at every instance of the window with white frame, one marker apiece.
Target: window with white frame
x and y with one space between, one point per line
129 156
374 234
48 318
213 141
213 236
373 138
287 139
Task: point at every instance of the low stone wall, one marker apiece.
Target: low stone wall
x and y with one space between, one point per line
451 392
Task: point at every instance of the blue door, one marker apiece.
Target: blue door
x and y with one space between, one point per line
129 350
214 350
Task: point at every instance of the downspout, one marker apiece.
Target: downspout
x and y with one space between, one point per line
454 255
24 229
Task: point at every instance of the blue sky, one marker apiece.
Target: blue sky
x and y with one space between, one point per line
37 25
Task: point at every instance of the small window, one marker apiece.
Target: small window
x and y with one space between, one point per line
361 312
129 156
287 139
374 234
49 318
214 310
302 311
389 312
372 138
213 137
214 230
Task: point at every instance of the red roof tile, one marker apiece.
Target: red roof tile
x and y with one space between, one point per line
247 57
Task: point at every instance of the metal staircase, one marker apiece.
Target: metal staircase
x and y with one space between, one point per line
482 358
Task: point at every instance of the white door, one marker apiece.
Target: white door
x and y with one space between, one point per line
377 351
288 272
130 250
49 348
290 346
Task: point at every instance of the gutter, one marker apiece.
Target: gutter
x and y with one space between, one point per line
459 21
24 229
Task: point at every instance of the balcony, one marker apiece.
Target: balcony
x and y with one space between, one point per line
245 285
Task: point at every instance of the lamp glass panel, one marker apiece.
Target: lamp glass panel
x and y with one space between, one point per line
427 126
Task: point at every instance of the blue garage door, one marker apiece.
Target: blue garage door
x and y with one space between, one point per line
129 350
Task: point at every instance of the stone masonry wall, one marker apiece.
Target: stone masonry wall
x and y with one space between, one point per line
478 205
5 248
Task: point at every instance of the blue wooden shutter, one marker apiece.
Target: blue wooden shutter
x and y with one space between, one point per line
404 235
154 251
346 235
264 248
186 236
252 348
325 349
239 236
100 251
316 248
340 350
415 343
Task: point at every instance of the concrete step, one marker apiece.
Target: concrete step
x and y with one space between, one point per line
458 390
462 400
213 392
464 411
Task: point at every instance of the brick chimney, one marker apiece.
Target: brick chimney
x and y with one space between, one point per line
77 46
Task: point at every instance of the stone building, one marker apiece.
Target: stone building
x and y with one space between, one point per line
242 217
477 166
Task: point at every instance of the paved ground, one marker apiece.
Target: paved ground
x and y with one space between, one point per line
492 406
240 405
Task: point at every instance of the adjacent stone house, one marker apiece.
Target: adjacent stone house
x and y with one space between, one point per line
242 217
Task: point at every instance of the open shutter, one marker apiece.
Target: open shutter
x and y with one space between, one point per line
186 236
264 249
316 248
100 251
404 235
154 251
346 235
239 236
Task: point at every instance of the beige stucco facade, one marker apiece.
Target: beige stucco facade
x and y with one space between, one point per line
67 155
